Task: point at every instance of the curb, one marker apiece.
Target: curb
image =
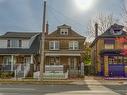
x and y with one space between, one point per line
45 82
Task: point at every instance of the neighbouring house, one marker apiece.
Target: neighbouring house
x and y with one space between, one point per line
109 54
18 53
63 49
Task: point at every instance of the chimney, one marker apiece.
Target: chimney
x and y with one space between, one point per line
96 30
47 28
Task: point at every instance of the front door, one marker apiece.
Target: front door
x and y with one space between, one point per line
73 66
73 63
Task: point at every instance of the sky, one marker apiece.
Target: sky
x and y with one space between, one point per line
26 15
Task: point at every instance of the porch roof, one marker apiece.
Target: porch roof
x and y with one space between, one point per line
111 52
16 51
63 53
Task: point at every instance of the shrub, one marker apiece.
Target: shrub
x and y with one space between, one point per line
6 74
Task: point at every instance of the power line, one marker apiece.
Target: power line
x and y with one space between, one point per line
69 19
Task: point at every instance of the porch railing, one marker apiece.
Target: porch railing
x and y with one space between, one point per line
20 70
9 67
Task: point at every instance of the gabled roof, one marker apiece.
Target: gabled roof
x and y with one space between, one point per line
25 35
71 33
113 31
110 32
64 26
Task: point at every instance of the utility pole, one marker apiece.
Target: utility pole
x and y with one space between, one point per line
43 43
96 55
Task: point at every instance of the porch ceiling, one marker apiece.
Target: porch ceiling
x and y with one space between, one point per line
48 54
65 53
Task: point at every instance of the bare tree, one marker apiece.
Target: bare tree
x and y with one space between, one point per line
124 16
104 22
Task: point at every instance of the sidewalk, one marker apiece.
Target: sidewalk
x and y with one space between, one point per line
101 80
45 82
89 79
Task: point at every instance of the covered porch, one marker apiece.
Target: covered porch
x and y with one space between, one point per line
113 63
71 62
15 63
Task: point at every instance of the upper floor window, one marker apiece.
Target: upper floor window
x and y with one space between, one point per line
109 44
73 45
63 31
54 45
14 43
125 46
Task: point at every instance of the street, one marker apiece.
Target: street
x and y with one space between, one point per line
82 87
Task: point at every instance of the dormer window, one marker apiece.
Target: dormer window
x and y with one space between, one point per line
14 43
63 31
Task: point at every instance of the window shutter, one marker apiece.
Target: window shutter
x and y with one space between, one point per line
8 43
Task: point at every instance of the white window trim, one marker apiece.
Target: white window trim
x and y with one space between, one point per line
63 31
11 45
73 43
54 45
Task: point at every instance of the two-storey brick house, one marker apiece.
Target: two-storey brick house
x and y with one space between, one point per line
18 51
64 47
109 52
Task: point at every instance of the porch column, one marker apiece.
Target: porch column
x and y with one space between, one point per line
31 60
12 62
106 66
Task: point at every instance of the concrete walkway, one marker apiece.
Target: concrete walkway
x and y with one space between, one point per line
95 88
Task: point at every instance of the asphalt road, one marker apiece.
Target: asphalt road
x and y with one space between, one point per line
27 89
77 88
121 89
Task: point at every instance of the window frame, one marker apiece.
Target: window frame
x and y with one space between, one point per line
108 46
125 46
109 43
73 45
53 44
54 61
64 31
14 43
